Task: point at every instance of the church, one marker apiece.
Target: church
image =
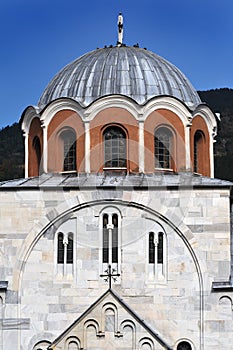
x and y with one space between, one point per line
119 236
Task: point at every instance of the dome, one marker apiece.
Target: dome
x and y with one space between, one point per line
130 71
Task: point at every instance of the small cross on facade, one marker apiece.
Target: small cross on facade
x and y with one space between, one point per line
109 275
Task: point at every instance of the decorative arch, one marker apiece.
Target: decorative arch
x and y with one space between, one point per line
199 152
35 142
164 119
113 308
72 343
65 147
146 344
116 118
76 204
42 345
200 147
113 101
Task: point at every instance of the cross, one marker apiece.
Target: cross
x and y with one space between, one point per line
120 29
110 274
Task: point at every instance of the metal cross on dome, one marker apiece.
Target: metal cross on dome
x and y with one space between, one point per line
109 275
120 29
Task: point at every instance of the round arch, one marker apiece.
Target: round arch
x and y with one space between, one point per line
66 210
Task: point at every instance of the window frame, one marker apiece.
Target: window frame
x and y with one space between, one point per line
198 151
37 148
71 166
171 150
115 263
125 146
156 265
64 266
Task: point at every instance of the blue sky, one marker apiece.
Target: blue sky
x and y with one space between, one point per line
39 37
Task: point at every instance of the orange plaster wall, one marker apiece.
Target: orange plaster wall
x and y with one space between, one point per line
121 118
65 119
35 130
159 118
198 123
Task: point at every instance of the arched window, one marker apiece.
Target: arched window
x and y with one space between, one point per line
110 238
115 238
37 148
156 263
184 345
73 345
198 151
151 248
60 249
105 239
65 248
70 249
163 144
69 150
114 148
160 248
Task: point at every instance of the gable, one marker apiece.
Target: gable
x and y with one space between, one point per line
109 324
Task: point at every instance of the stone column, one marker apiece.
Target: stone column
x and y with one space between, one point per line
65 243
26 153
187 148
45 149
87 147
141 146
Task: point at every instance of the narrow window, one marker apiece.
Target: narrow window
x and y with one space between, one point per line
105 239
198 151
37 149
162 148
151 248
114 148
60 249
70 249
184 345
156 260
110 238
160 248
115 238
69 150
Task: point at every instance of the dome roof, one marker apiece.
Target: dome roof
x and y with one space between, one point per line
129 71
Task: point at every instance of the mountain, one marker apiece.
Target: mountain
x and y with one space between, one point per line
219 100
11 152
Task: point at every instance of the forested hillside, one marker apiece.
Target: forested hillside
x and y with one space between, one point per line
11 152
220 100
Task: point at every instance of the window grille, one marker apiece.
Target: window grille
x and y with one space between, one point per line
151 248
163 146
69 150
37 147
60 249
198 142
114 148
160 248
